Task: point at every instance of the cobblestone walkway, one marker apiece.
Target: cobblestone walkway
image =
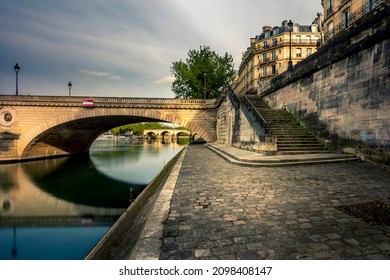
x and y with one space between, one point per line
225 211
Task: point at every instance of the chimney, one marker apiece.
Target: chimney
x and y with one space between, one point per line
267 28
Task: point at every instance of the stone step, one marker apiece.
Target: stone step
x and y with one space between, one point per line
302 152
292 134
297 140
300 148
292 138
288 129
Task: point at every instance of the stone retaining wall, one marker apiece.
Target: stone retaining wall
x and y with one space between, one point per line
348 101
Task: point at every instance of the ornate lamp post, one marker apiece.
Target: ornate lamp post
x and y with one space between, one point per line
16 68
70 87
290 28
205 83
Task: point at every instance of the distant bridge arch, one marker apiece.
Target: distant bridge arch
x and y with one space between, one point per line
164 132
54 126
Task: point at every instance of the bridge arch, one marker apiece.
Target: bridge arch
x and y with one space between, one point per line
152 135
74 132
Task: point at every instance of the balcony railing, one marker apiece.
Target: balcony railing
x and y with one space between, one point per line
329 11
359 13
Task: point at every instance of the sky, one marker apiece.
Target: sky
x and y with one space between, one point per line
125 48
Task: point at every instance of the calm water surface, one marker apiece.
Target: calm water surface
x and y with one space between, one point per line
60 208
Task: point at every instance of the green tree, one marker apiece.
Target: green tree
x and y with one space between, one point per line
203 70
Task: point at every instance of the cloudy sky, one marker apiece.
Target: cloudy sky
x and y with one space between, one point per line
125 47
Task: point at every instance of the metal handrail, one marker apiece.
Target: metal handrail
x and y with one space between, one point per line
233 98
259 118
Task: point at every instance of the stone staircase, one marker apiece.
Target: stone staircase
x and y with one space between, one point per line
292 137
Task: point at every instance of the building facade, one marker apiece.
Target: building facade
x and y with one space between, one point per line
339 15
270 52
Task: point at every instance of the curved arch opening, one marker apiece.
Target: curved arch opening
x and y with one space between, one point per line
74 133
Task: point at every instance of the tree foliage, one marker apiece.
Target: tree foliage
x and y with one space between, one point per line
203 70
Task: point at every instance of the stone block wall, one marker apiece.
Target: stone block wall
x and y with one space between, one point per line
246 136
347 100
34 127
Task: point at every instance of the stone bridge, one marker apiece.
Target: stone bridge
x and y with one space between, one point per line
160 133
47 126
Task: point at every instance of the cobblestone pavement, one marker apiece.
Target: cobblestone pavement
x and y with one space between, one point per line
225 211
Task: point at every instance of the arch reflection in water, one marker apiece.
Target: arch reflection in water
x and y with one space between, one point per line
51 204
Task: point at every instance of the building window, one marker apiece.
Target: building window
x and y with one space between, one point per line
265 44
273 55
299 39
330 7
264 57
273 69
299 52
345 18
309 52
330 29
264 71
371 4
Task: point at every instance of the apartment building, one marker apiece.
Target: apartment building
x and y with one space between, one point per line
271 53
339 15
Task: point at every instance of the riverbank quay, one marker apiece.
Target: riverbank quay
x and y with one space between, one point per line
249 158
213 209
121 238
225 211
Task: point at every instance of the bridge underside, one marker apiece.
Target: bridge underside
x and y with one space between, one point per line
75 136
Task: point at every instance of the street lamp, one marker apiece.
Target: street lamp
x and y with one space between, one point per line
16 68
290 28
205 83
70 87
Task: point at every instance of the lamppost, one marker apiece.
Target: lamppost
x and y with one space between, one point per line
205 83
16 68
70 87
14 251
290 28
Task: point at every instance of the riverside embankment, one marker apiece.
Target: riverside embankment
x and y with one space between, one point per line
219 210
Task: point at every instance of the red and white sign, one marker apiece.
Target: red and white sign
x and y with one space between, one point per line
88 103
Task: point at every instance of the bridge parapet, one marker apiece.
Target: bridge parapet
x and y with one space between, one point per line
45 126
106 102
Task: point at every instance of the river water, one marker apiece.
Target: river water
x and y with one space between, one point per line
60 208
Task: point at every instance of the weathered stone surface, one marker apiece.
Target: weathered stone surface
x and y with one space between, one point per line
275 212
54 126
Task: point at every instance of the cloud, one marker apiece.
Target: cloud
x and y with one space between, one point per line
166 80
128 44
101 74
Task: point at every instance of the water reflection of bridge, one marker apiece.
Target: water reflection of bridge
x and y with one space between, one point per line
27 204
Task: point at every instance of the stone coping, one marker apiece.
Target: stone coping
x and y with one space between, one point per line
249 158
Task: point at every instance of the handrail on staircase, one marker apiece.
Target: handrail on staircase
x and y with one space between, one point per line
233 97
259 118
